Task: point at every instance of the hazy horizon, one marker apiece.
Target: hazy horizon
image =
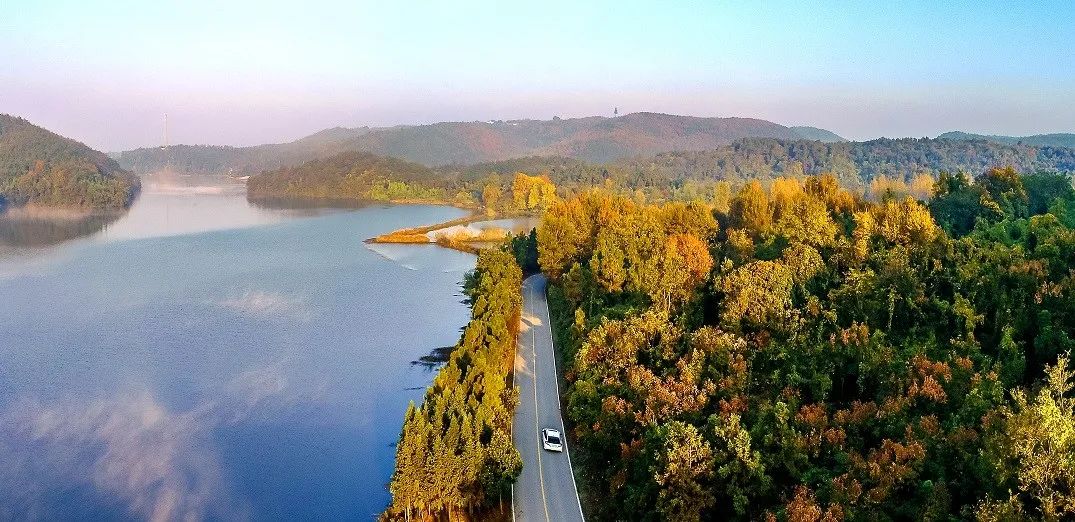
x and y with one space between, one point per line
268 72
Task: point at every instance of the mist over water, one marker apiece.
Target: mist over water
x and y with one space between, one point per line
203 357
173 204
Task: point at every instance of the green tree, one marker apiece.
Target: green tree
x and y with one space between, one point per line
1043 189
683 471
455 454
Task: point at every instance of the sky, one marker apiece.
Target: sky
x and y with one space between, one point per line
244 73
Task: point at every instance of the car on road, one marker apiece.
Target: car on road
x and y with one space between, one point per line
551 440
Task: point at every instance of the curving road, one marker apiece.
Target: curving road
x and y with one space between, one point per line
545 490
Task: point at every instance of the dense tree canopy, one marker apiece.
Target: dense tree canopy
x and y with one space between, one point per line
820 354
365 176
786 350
879 169
39 167
350 175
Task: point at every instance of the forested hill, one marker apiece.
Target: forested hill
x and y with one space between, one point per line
348 175
853 163
44 168
816 134
593 139
670 175
1053 140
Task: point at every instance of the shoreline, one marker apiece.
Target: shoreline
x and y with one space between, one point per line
353 202
462 239
470 244
418 235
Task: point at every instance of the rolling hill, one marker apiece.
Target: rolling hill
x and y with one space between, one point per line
1051 140
347 175
816 134
43 168
592 139
360 175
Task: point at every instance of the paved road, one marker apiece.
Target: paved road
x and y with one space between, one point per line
546 489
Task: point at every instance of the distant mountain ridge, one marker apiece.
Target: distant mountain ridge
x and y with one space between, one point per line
593 139
41 167
1051 140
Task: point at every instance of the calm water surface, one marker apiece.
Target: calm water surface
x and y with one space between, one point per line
204 357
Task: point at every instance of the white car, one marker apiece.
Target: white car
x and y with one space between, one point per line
551 440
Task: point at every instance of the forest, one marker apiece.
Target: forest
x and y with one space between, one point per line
455 454
349 175
42 168
788 351
799 352
673 176
1055 140
365 176
854 164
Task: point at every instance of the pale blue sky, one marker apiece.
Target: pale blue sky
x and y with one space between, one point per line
251 72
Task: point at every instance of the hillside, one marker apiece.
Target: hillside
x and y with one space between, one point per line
348 175
1052 140
43 168
593 139
816 134
668 175
853 163
215 159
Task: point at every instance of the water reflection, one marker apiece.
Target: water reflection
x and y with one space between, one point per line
241 372
316 205
31 228
172 204
131 448
169 204
162 464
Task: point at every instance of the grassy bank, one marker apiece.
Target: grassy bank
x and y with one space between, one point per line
418 234
462 240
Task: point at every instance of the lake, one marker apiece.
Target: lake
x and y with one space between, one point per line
204 357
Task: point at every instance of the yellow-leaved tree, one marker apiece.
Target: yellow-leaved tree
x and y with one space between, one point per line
751 210
532 192
1035 450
